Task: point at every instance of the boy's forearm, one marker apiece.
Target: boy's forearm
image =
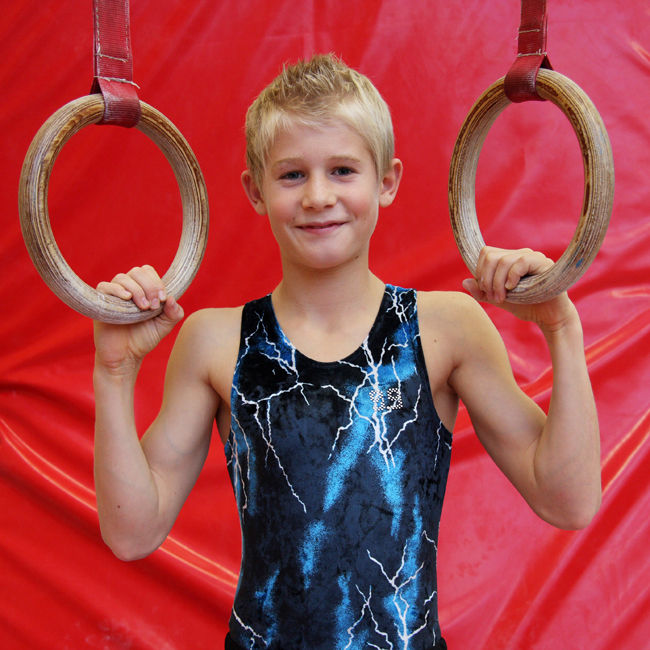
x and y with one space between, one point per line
567 459
127 500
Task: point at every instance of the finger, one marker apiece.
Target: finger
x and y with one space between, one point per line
147 287
471 286
518 264
509 270
485 270
134 288
114 289
171 314
517 270
172 310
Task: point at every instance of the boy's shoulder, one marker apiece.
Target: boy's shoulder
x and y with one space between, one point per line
214 315
212 331
451 306
452 315
212 323
208 342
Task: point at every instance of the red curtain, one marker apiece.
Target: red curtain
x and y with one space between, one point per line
506 579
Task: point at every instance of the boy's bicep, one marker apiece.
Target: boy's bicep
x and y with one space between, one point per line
177 442
507 422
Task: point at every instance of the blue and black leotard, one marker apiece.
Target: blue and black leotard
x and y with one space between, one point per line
339 472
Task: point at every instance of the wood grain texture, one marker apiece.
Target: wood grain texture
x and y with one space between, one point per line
35 221
598 173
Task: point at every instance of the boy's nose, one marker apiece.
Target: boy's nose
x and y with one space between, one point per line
318 194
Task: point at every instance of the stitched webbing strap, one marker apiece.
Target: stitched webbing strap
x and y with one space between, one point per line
113 63
519 84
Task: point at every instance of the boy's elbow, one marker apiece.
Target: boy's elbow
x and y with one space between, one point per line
573 518
128 554
127 549
587 514
577 521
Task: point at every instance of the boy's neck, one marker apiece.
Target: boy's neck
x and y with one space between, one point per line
327 316
329 295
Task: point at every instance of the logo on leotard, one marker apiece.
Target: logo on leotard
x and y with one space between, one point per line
391 401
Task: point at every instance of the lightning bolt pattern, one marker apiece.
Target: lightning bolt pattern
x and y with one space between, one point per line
339 472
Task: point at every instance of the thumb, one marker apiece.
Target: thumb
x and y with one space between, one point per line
173 311
471 286
171 314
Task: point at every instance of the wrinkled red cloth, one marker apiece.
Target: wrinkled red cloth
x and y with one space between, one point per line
506 579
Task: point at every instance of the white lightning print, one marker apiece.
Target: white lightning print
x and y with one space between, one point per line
267 433
398 583
250 630
378 420
368 607
289 367
263 405
352 413
234 461
440 439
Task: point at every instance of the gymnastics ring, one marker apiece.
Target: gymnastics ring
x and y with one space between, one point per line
599 184
35 222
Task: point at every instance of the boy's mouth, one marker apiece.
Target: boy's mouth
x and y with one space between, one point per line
321 227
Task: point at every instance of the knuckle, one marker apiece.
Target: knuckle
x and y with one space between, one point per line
121 279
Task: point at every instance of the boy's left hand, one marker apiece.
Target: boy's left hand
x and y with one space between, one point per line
499 270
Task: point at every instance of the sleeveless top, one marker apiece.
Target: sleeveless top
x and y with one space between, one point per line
339 472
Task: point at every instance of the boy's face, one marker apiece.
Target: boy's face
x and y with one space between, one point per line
321 194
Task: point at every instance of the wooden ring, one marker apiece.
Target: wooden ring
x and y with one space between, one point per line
599 184
35 221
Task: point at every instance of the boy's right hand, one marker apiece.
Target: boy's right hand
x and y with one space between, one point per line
121 348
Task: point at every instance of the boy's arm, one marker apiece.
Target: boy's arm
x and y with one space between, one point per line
553 460
141 485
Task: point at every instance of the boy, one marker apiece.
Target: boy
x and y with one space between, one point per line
335 395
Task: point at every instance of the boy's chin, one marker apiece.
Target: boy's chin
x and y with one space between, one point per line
335 262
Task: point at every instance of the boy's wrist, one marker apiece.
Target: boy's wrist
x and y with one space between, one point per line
124 370
568 326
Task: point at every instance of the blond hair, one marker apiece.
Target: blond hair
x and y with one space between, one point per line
313 92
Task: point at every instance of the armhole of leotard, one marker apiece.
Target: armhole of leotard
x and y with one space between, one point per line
422 365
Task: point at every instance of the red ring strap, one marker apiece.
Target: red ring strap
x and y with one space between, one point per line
519 84
113 63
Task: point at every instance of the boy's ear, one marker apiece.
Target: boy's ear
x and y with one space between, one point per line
253 192
390 183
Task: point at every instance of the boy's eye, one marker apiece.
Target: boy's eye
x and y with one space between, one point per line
343 171
291 176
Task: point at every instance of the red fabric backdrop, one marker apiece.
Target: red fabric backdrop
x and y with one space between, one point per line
507 580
